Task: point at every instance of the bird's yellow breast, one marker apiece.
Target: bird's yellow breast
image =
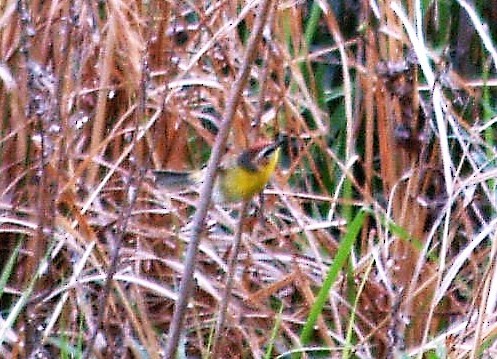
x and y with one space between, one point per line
238 183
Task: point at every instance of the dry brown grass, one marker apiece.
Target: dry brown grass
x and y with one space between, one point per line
95 94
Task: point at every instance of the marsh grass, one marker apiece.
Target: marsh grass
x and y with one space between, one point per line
376 237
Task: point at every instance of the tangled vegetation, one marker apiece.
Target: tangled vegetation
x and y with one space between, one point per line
374 239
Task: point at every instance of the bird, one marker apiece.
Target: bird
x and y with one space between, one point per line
238 179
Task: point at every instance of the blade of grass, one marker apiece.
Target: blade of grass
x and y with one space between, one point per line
339 261
312 23
274 333
7 270
348 340
20 305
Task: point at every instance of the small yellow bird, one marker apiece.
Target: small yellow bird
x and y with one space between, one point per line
235 182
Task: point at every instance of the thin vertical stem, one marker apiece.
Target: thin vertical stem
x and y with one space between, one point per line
230 279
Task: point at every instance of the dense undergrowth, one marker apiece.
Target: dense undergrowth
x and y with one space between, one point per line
374 239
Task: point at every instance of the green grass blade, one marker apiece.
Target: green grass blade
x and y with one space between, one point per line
7 270
274 334
343 252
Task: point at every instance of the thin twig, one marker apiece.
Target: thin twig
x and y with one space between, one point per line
114 261
230 279
206 189
104 296
132 188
